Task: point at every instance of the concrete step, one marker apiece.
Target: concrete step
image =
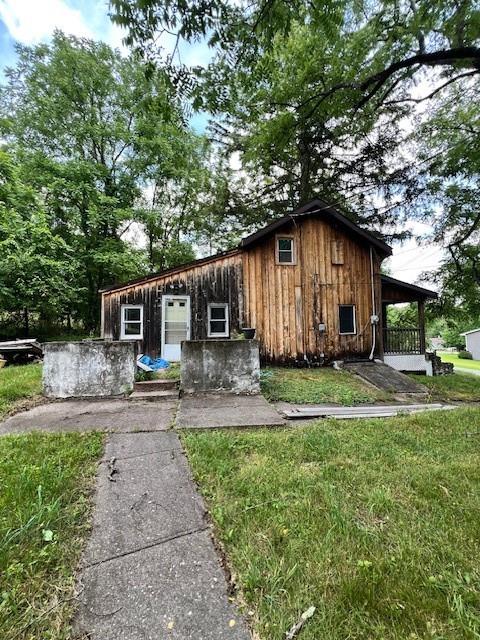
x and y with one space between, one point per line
152 396
155 385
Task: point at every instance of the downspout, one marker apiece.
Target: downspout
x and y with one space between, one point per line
373 317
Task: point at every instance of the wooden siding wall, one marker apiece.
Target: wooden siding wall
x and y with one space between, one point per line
216 281
286 303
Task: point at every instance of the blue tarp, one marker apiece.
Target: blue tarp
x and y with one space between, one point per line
155 364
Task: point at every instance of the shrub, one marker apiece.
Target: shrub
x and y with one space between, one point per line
465 355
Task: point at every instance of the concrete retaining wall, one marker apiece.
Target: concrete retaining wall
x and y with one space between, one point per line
220 365
76 369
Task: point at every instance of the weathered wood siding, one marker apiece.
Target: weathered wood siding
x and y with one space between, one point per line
219 280
286 303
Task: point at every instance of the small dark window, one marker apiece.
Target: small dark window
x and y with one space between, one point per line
218 320
170 304
181 304
285 251
347 321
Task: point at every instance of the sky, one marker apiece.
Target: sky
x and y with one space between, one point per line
30 22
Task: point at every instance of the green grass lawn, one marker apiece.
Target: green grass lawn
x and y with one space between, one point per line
18 383
458 387
374 522
459 362
323 384
45 487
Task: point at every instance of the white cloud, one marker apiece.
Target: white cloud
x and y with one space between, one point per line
33 21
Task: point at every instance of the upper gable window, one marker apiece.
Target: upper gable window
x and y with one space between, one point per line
285 250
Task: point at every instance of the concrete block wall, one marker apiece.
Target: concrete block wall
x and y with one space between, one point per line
80 369
220 365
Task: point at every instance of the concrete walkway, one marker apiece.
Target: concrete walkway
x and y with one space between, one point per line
93 415
150 570
226 410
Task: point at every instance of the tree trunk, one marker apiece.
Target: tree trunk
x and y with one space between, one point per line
304 187
26 323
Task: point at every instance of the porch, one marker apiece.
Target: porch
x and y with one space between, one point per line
404 347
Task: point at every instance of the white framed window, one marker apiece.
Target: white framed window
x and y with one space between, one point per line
131 322
218 325
285 250
347 319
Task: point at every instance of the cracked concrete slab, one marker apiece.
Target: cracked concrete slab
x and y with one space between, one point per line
150 570
151 499
176 590
93 415
226 410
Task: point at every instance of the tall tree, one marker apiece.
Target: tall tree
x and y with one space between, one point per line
78 115
175 175
37 268
313 93
449 144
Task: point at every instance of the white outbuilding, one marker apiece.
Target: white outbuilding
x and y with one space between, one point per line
472 342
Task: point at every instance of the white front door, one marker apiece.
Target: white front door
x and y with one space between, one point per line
175 325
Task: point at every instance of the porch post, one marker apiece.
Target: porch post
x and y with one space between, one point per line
421 324
380 330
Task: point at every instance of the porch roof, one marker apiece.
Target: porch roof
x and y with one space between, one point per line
394 291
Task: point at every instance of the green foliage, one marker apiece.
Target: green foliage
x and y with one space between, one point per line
374 522
37 267
465 355
44 507
312 96
402 316
91 134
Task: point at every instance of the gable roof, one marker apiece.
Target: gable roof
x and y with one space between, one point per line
314 207
406 286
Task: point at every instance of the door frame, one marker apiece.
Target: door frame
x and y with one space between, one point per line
165 299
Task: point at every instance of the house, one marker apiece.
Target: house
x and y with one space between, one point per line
472 342
309 283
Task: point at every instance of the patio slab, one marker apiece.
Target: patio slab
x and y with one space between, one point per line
225 410
93 415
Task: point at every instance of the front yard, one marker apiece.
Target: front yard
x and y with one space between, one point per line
45 489
374 522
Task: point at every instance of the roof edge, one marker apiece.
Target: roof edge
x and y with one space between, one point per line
171 271
428 293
